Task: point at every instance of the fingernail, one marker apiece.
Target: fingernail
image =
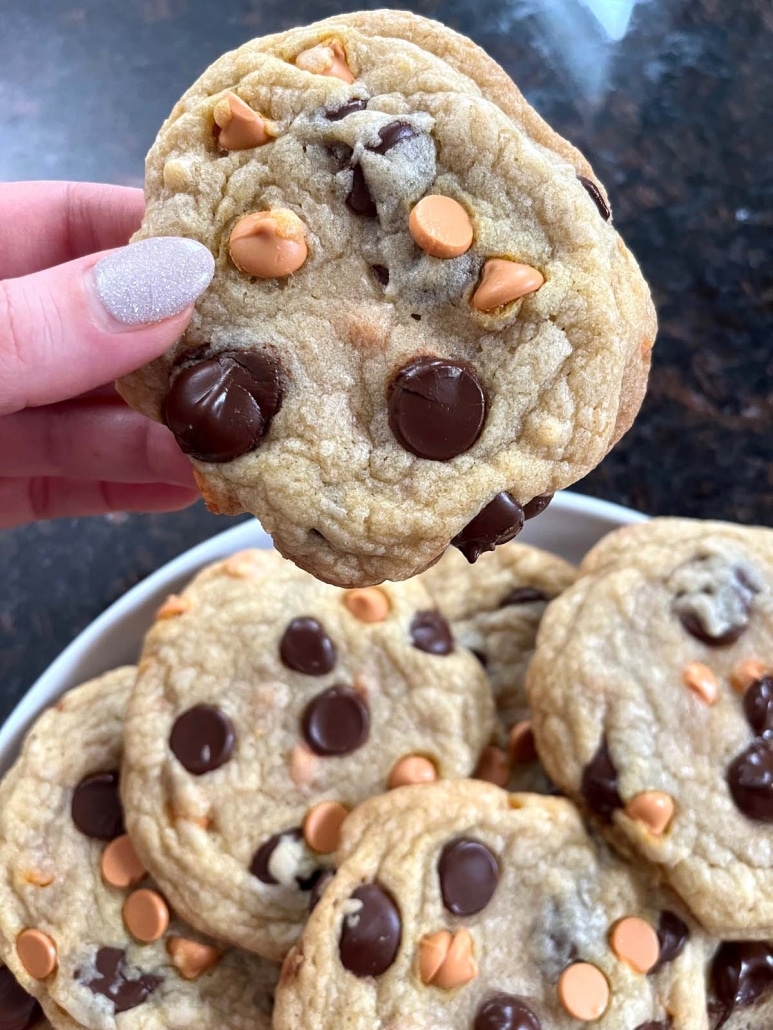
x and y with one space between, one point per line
153 279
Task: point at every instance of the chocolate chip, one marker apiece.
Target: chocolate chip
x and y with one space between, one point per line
202 739
741 972
337 113
713 600
306 647
536 506
431 633
758 706
498 522
750 778
18 1010
319 886
599 784
261 860
359 200
336 722
436 408
393 134
381 272
370 936
469 874
220 408
113 983
595 195
673 934
523 595
96 807
505 1012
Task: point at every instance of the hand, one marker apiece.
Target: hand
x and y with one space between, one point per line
72 321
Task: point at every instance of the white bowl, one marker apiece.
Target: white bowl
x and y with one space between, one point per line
569 527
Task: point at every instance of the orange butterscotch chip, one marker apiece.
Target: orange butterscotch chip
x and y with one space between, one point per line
121 865
635 942
493 766
146 915
745 673
368 604
173 606
520 743
701 681
411 770
502 282
441 226
583 991
326 59
37 953
302 766
322 826
191 958
38 879
446 960
240 127
269 244
653 808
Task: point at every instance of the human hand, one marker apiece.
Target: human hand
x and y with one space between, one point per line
71 323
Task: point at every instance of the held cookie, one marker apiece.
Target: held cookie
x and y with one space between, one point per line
267 706
418 310
652 701
460 906
82 926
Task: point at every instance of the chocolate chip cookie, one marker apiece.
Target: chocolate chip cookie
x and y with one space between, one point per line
268 705
421 311
652 698
460 906
82 926
18 1010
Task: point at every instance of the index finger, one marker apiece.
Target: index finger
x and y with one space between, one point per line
49 223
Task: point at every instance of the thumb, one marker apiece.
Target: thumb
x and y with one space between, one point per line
80 325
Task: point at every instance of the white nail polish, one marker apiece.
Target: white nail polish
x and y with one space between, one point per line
153 279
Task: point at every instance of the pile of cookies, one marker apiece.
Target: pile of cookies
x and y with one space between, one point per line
297 772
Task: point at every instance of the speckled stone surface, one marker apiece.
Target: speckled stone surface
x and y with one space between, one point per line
674 111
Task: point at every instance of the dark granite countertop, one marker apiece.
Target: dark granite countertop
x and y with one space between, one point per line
673 107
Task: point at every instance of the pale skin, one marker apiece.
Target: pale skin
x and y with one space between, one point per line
68 443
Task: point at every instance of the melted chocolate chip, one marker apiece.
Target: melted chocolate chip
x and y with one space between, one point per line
741 972
202 739
113 983
18 1010
261 860
714 604
393 134
348 108
319 886
505 1012
96 807
595 195
498 522
336 722
436 408
431 633
305 647
359 200
523 595
599 784
370 937
469 874
220 408
536 506
673 934
750 778
381 272
758 706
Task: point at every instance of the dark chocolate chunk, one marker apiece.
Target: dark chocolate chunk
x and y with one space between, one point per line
758 706
599 784
750 778
319 886
505 1012
501 520
741 972
673 934
717 610
536 506
336 722
469 874
96 807
18 1010
596 196
337 113
391 135
261 860
381 272
305 647
359 200
436 408
220 407
370 937
523 595
112 981
202 739
430 632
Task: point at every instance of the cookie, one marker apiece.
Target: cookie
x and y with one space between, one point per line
82 926
458 905
650 691
18 1010
420 319
268 705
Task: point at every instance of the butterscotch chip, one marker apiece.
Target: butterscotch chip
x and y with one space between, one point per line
583 991
326 59
240 127
37 953
701 681
38 879
520 743
172 607
121 865
146 915
745 673
410 770
269 244
322 826
446 960
441 226
653 808
503 281
191 958
368 605
493 766
634 941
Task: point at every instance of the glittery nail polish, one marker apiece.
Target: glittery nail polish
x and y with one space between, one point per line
154 279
